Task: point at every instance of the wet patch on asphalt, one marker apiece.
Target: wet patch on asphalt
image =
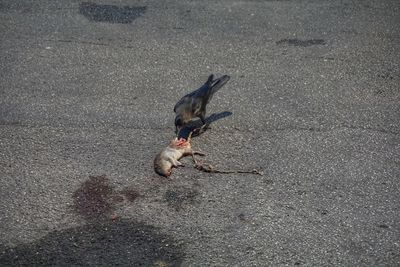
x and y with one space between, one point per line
111 13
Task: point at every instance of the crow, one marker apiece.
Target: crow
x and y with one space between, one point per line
194 104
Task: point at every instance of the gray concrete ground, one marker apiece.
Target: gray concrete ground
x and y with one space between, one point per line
86 97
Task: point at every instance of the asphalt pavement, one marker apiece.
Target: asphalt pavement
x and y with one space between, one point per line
87 91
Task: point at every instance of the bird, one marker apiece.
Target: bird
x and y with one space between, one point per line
194 104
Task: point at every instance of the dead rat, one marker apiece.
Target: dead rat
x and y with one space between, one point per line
169 156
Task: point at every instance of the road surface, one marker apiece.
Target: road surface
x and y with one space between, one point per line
86 97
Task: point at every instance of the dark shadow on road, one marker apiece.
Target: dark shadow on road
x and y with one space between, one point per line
106 239
119 243
196 124
111 13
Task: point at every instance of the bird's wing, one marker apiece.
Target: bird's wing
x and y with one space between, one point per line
190 98
204 89
196 104
200 96
179 103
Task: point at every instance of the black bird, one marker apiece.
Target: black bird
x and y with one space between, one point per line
194 104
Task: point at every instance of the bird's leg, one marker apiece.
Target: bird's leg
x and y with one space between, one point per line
189 137
205 125
202 118
203 128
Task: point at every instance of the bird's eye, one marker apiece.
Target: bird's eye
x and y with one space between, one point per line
178 122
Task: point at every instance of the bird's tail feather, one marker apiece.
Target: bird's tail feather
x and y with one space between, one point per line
218 83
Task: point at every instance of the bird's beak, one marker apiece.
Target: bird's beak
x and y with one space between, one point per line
178 130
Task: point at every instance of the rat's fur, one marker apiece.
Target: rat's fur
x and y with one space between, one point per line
169 156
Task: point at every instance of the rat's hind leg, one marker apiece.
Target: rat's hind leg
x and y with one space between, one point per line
196 153
199 153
